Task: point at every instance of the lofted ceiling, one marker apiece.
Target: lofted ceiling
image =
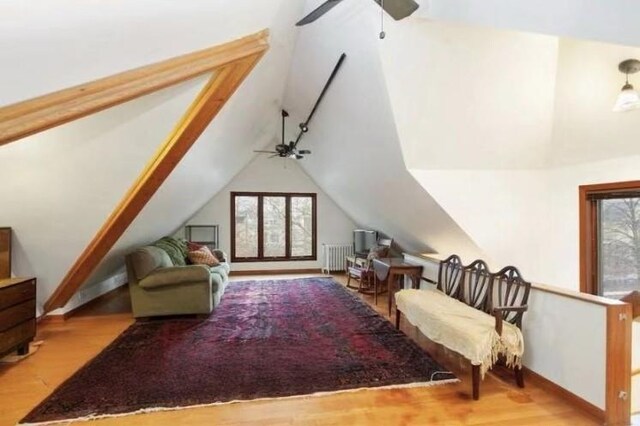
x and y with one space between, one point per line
388 140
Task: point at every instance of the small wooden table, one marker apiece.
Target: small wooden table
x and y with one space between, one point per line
393 269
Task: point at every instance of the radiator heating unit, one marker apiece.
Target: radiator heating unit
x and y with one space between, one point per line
334 257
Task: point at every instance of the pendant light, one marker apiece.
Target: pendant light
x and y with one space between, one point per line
629 98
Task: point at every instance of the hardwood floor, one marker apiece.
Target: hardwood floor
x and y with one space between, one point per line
68 345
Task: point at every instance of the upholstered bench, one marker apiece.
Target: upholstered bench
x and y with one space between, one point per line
472 312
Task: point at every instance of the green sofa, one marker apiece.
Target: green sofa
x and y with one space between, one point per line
162 283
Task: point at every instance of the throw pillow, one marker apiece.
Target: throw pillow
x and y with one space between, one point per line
203 256
193 246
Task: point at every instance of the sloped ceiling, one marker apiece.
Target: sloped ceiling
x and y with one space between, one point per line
356 156
63 183
523 120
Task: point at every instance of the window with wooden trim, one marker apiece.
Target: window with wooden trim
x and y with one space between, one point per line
273 226
610 238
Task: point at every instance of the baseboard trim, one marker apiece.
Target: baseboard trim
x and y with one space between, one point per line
59 318
563 393
277 272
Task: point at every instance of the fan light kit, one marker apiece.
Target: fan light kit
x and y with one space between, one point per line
291 150
629 98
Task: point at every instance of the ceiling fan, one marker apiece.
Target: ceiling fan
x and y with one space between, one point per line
398 9
290 150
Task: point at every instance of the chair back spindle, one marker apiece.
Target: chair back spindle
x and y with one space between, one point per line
451 276
509 289
476 285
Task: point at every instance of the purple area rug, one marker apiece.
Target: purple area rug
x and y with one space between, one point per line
267 339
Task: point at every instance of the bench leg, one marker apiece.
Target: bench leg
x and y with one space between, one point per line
475 379
519 376
397 318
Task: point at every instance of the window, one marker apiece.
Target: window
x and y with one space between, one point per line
610 238
268 226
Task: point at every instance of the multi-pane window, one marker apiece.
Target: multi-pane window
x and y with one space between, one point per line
273 226
610 239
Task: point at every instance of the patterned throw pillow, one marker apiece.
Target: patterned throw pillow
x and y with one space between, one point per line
191 246
203 256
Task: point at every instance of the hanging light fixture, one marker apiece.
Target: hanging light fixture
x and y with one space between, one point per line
629 98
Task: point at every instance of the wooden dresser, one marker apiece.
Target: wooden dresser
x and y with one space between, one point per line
17 314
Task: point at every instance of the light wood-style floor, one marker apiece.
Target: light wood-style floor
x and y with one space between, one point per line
68 345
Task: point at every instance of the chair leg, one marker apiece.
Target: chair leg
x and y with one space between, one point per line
397 318
475 379
519 376
348 279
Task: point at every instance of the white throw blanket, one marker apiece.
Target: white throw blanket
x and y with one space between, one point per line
461 328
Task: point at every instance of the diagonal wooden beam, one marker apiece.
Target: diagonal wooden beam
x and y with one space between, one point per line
205 107
35 115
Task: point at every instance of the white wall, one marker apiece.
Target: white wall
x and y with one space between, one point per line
61 185
588 82
265 174
469 97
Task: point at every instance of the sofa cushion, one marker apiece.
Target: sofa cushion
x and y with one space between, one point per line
203 256
176 275
175 248
146 259
222 269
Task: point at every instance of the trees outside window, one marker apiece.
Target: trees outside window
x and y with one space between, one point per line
273 226
610 238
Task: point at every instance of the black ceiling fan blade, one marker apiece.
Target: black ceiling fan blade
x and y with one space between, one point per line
304 151
398 9
318 12
265 152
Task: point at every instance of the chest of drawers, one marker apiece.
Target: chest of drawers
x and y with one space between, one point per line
17 314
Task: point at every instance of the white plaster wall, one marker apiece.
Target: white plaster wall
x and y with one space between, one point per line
468 97
504 211
588 81
265 174
614 21
562 239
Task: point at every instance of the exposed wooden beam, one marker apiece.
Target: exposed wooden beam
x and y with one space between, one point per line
208 103
35 115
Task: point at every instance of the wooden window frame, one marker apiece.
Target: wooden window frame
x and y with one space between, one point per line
588 211
287 196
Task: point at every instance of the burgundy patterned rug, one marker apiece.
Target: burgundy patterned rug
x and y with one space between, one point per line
267 339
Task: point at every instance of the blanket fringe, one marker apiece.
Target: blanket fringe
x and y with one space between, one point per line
237 401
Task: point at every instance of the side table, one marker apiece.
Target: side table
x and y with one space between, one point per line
393 269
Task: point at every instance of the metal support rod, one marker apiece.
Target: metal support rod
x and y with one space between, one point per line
304 126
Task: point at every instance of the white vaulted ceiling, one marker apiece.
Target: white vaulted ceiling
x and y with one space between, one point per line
60 185
416 133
